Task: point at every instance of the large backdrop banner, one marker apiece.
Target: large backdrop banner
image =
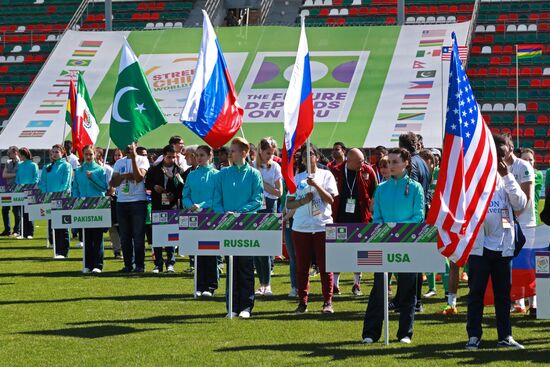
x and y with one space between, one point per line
369 83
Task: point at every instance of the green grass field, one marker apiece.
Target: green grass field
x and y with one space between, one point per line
52 315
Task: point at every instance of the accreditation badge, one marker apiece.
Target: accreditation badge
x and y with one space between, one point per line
505 217
350 205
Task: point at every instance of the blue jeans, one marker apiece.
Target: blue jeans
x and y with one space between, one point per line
170 257
131 224
500 270
263 263
16 215
287 232
93 248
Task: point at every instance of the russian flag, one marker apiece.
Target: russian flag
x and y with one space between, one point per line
523 266
173 237
298 110
212 111
209 245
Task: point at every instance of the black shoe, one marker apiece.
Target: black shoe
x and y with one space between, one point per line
139 270
392 306
301 309
125 270
418 307
5 233
118 256
532 313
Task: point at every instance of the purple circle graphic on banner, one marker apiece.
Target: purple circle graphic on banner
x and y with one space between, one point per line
344 72
268 71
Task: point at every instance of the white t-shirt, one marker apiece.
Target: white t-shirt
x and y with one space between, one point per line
524 172
270 176
304 220
130 191
73 160
108 173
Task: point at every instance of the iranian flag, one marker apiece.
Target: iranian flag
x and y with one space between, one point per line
80 116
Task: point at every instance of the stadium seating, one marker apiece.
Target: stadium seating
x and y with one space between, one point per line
384 12
492 70
29 30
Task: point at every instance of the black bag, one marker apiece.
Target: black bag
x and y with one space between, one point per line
519 238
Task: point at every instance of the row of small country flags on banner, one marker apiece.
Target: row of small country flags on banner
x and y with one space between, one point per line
56 101
414 105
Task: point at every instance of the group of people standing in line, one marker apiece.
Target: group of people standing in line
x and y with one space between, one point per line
396 187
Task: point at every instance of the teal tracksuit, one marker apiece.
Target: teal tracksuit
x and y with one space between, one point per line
94 186
199 187
27 173
399 201
240 190
56 177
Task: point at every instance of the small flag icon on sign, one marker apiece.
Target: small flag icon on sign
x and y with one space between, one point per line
209 245
373 257
173 237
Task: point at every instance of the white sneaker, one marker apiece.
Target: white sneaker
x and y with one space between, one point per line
260 291
80 245
85 270
207 294
156 270
30 237
232 314
96 270
15 234
244 315
59 257
170 269
20 238
405 340
368 340
509 342
293 292
198 293
267 291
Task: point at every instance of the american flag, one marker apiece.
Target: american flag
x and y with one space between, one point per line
372 257
467 175
446 52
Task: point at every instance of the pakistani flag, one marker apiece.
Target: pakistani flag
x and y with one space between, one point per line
135 112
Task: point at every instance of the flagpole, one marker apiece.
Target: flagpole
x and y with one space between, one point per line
442 103
517 98
106 151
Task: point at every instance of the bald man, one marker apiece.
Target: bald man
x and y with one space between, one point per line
356 182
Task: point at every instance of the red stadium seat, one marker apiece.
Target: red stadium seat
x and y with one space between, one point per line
535 83
539 144
542 120
506 131
495 130
532 106
521 120
517 132
529 132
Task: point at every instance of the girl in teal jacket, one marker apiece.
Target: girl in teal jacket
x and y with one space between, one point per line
197 195
398 200
89 181
57 177
27 170
27 174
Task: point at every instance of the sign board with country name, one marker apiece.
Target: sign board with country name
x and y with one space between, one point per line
39 204
406 248
94 212
166 230
14 195
230 234
542 270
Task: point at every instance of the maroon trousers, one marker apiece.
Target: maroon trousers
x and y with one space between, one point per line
305 245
